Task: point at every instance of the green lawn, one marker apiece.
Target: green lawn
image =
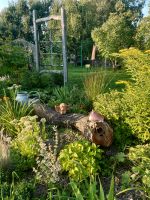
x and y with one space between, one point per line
76 75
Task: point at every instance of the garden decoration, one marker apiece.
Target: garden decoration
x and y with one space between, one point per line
97 130
62 108
30 98
94 116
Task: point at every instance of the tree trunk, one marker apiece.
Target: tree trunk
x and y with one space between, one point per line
95 131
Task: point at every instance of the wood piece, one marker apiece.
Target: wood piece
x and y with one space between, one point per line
98 132
45 19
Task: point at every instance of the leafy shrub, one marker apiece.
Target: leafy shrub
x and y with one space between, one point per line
28 131
25 146
80 159
43 80
30 79
12 56
140 157
129 110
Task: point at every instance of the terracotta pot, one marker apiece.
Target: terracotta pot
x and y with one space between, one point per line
62 108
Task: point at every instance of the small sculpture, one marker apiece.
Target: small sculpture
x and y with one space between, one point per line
62 108
94 116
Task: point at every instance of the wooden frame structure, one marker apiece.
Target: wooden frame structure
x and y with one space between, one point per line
36 40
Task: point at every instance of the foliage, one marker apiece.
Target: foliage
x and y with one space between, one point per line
11 110
140 157
16 20
125 180
34 78
27 132
80 159
90 189
19 190
142 37
73 96
116 33
5 81
129 110
95 83
25 146
48 167
12 56
41 80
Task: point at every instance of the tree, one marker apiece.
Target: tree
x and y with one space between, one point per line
116 33
16 20
143 34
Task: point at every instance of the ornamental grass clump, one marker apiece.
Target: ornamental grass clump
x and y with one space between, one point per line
10 110
95 84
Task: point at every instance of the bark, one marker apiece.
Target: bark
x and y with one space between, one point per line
95 131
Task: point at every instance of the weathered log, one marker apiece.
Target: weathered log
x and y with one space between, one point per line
98 132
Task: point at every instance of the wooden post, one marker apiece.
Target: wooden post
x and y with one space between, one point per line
36 42
63 25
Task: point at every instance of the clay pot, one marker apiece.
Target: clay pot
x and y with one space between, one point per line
62 108
94 116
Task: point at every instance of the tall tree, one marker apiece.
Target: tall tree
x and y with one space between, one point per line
118 31
143 34
16 20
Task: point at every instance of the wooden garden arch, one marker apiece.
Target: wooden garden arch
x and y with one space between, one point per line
36 40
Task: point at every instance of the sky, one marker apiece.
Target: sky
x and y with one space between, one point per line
4 3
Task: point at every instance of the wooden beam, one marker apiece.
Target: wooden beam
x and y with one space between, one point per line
64 46
51 71
45 19
37 62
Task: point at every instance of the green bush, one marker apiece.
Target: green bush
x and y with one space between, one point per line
140 157
30 79
27 132
25 146
43 80
129 110
80 159
12 56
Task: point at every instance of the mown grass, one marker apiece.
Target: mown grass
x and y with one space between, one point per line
76 75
